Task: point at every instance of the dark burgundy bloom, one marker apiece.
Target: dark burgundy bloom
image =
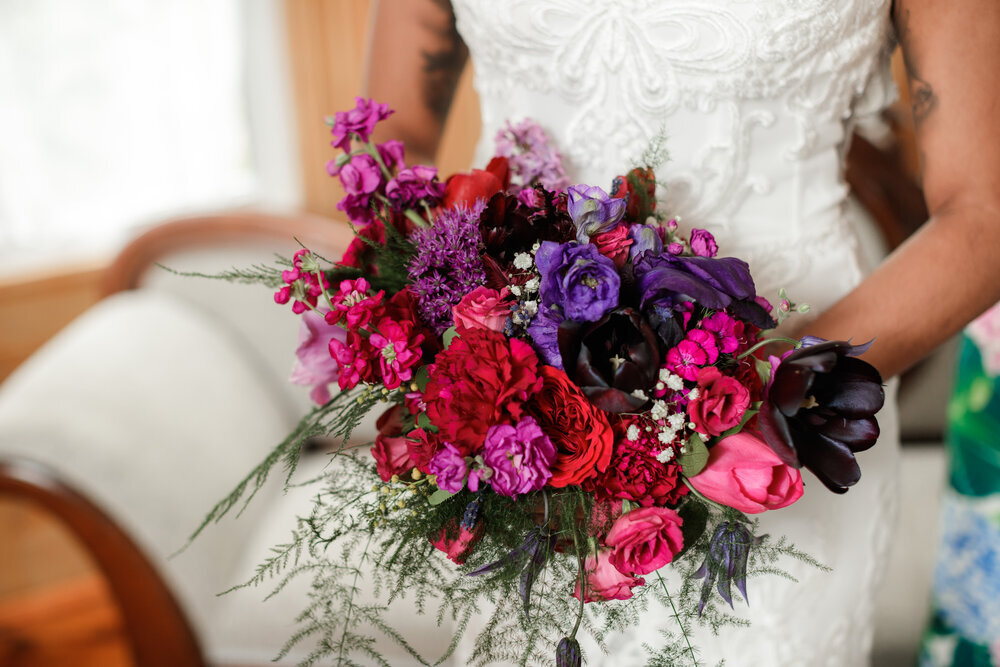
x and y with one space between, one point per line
508 226
635 474
719 283
612 358
819 410
568 653
726 562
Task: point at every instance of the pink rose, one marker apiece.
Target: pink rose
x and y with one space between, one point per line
743 472
391 452
314 366
614 244
604 581
644 540
483 308
721 402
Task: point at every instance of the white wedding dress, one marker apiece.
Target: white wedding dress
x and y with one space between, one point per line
756 100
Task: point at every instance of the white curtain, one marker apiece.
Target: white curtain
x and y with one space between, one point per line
115 113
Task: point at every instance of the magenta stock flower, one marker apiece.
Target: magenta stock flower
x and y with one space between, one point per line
414 185
391 153
520 456
353 305
450 467
353 359
726 329
359 121
360 176
304 283
314 366
688 356
398 350
703 243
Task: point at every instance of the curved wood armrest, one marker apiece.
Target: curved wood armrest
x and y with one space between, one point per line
157 628
325 236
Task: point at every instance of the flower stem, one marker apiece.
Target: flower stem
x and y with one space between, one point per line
698 494
373 151
766 341
677 617
583 574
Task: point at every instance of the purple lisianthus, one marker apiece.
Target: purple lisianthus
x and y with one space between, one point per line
544 332
360 176
719 283
703 243
582 282
314 366
450 467
520 456
645 238
413 185
360 121
593 211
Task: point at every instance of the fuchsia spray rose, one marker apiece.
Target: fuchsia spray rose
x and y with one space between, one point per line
720 404
644 540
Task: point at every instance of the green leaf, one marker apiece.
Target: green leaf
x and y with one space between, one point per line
424 422
421 377
739 427
448 336
439 497
763 370
694 459
695 515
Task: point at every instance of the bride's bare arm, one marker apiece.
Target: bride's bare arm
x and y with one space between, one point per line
414 62
948 272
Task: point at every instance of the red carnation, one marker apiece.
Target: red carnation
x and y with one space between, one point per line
421 446
482 379
581 433
635 474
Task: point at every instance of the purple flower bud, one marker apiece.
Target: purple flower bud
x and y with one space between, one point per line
703 243
568 653
593 211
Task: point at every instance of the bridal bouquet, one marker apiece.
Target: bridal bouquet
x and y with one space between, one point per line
575 399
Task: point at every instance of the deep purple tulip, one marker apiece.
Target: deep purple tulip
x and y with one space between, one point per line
719 283
593 211
819 410
726 562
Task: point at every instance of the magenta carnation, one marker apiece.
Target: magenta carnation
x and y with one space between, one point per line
520 457
449 466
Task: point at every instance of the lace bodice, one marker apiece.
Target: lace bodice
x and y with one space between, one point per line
755 100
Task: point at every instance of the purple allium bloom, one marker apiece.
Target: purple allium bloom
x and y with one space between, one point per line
703 243
446 265
819 410
360 176
568 653
726 562
520 456
593 211
360 121
719 283
577 278
414 185
450 467
544 332
530 156
644 238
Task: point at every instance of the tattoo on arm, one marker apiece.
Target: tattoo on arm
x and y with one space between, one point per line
443 66
922 97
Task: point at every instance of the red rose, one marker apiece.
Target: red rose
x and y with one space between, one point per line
465 189
614 244
391 453
581 432
721 402
635 474
483 308
482 379
644 540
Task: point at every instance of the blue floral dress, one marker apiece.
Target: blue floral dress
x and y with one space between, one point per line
965 628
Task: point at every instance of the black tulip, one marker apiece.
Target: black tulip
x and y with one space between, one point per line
568 653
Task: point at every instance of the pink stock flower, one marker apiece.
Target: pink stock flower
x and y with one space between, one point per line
688 356
353 358
414 185
360 176
314 366
397 349
391 153
720 404
359 121
353 304
644 540
744 473
450 467
520 456
604 581
483 308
